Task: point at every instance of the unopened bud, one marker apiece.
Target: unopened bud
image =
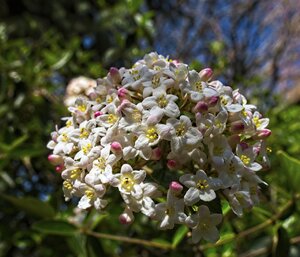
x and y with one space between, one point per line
59 168
122 93
213 101
115 74
116 147
201 107
237 127
156 154
172 164
55 159
206 74
175 187
263 133
97 114
126 217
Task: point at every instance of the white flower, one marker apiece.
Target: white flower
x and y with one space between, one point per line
204 225
129 181
170 212
92 196
161 104
201 187
182 134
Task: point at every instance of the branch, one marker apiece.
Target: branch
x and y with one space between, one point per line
129 240
254 229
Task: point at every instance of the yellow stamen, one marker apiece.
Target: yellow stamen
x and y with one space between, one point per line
81 108
67 185
75 173
180 130
127 182
112 118
245 159
84 133
64 137
151 134
69 123
162 101
256 121
202 184
89 193
86 148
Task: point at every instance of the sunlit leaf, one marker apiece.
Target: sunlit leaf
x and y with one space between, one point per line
179 235
62 62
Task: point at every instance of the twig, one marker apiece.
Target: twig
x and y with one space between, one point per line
263 250
129 240
254 229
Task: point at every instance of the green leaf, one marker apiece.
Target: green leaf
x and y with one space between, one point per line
31 206
55 227
291 168
62 62
179 235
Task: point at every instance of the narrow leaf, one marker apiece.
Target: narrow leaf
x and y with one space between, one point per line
55 227
179 235
31 206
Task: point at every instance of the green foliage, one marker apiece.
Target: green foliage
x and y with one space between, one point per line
44 45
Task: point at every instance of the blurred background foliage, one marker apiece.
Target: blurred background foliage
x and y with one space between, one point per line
250 44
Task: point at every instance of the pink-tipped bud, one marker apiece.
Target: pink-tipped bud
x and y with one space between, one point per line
201 107
237 127
156 154
115 74
54 136
263 133
172 164
175 187
206 74
116 147
126 217
213 101
55 159
59 168
122 93
93 95
97 114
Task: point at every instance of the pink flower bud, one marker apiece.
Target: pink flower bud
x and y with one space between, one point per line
263 133
55 159
156 154
115 74
59 168
237 126
175 187
97 114
93 95
54 136
126 217
172 164
116 147
122 93
201 107
206 74
213 101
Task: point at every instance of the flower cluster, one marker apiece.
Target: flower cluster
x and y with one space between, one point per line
169 139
